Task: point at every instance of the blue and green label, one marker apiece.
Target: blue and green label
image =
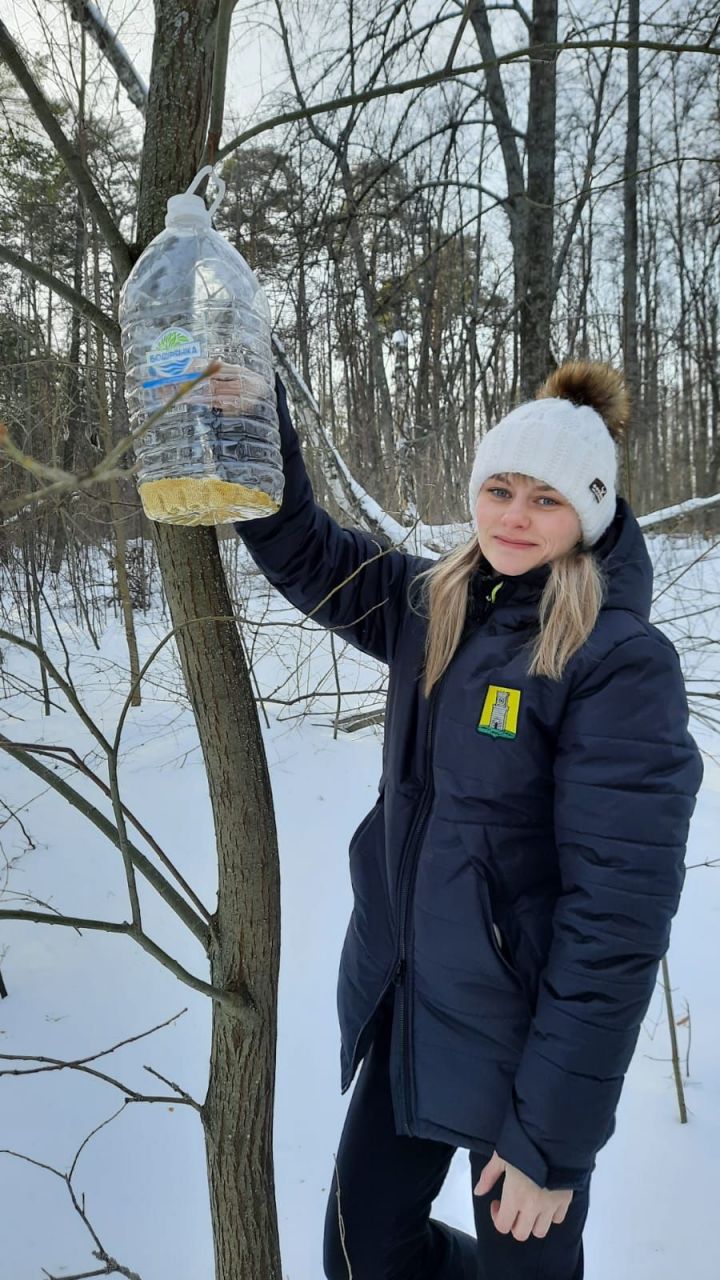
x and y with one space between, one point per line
171 356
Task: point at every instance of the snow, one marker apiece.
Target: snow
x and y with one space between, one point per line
143 1175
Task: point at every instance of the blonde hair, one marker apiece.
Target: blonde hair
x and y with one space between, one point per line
567 612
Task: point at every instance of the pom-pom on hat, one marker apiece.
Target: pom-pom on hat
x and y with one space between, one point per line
566 438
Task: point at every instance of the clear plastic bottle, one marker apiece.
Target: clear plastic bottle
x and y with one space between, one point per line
191 298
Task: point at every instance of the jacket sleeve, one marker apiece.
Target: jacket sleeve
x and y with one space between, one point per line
626 776
343 578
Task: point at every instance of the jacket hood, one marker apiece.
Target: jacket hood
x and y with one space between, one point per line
627 564
621 552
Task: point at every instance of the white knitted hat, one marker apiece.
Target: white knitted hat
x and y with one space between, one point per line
566 445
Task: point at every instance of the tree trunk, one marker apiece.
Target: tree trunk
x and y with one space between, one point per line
516 202
73 380
237 1113
374 336
537 299
630 243
117 519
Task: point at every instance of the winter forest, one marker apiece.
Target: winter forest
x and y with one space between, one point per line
442 201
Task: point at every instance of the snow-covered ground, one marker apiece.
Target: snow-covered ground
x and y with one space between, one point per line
653 1196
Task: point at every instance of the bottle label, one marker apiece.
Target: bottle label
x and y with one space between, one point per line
171 356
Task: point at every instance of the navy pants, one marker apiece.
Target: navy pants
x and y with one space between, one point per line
387 1186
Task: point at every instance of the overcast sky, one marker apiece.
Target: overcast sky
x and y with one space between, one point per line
255 69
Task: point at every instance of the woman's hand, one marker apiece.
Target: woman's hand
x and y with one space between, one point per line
525 1208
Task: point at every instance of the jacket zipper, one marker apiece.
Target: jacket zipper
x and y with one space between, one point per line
397 974
406 881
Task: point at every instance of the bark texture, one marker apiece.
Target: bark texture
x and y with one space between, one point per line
536 303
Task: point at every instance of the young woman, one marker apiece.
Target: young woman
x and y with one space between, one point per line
515 881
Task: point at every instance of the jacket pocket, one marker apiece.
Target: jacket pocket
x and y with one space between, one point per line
359 831
368 874
503 947
499 941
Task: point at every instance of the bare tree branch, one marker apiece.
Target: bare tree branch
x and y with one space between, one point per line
547 51
111 1265
702 555
464 19
182 909
81 1064
119 251
111 757
348 493
63 290
500 112
217 96
69 754
586 186
106 469
239 1002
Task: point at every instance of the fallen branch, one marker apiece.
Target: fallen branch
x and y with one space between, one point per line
89 17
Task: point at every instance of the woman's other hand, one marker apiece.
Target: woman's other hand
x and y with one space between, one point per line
525 1209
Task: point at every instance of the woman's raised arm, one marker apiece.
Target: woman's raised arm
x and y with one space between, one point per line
343 578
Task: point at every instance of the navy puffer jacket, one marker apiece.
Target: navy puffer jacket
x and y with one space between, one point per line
518 874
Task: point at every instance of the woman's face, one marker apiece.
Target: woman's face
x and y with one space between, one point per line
523 523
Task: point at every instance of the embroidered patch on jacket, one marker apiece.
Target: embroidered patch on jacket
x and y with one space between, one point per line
500 712
598 490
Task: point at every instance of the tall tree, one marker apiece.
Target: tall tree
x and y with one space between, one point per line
536 300
244 957
243 941
630 234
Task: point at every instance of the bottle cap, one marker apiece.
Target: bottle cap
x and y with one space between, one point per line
191 208
186 208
